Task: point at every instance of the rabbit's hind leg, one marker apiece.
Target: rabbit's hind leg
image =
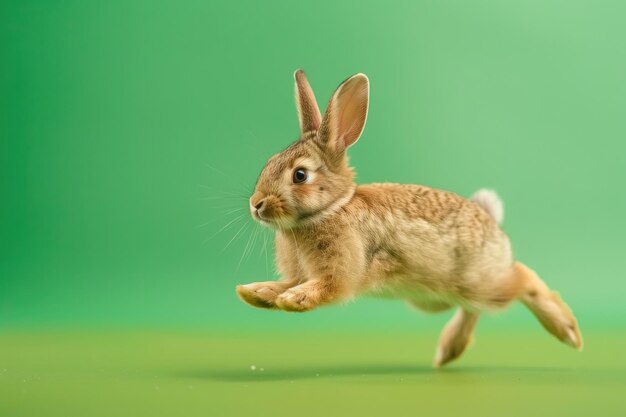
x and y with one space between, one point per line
455 337
555 316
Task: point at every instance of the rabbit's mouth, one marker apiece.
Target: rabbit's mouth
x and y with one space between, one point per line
274 222
261 218
256 216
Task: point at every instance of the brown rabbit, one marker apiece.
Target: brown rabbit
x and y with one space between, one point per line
336 240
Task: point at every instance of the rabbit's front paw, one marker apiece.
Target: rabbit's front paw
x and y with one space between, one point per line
262 295
297 299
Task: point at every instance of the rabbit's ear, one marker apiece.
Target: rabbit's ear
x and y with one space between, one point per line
346 113
308 112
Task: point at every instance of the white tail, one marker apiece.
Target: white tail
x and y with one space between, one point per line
490 202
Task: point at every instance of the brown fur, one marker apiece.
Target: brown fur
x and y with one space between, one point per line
336 240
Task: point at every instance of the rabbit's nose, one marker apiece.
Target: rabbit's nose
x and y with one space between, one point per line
257 204
256 201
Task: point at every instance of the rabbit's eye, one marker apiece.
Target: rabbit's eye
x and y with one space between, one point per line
299 176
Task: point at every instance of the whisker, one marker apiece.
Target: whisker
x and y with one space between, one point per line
234 210
227 205
213 221
222 198
242 195
267 271
227 213
249 247
254 241
226 226
234 237
256 238
243 253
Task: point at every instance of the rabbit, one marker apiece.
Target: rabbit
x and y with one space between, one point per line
336 240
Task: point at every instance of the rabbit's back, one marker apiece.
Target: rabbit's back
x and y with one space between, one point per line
419 242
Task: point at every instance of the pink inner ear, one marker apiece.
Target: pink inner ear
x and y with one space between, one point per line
352 102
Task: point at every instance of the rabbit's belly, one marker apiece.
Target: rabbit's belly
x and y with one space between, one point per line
415 290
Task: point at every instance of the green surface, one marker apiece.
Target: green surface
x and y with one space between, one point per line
131 135
352 374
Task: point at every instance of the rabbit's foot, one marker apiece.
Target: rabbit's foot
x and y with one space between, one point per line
298 299
260 294
455 337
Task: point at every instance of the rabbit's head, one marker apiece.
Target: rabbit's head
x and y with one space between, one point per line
311 178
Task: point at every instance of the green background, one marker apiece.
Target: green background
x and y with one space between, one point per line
131 135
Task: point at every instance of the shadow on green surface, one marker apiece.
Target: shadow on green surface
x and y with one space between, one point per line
306 373
365 370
